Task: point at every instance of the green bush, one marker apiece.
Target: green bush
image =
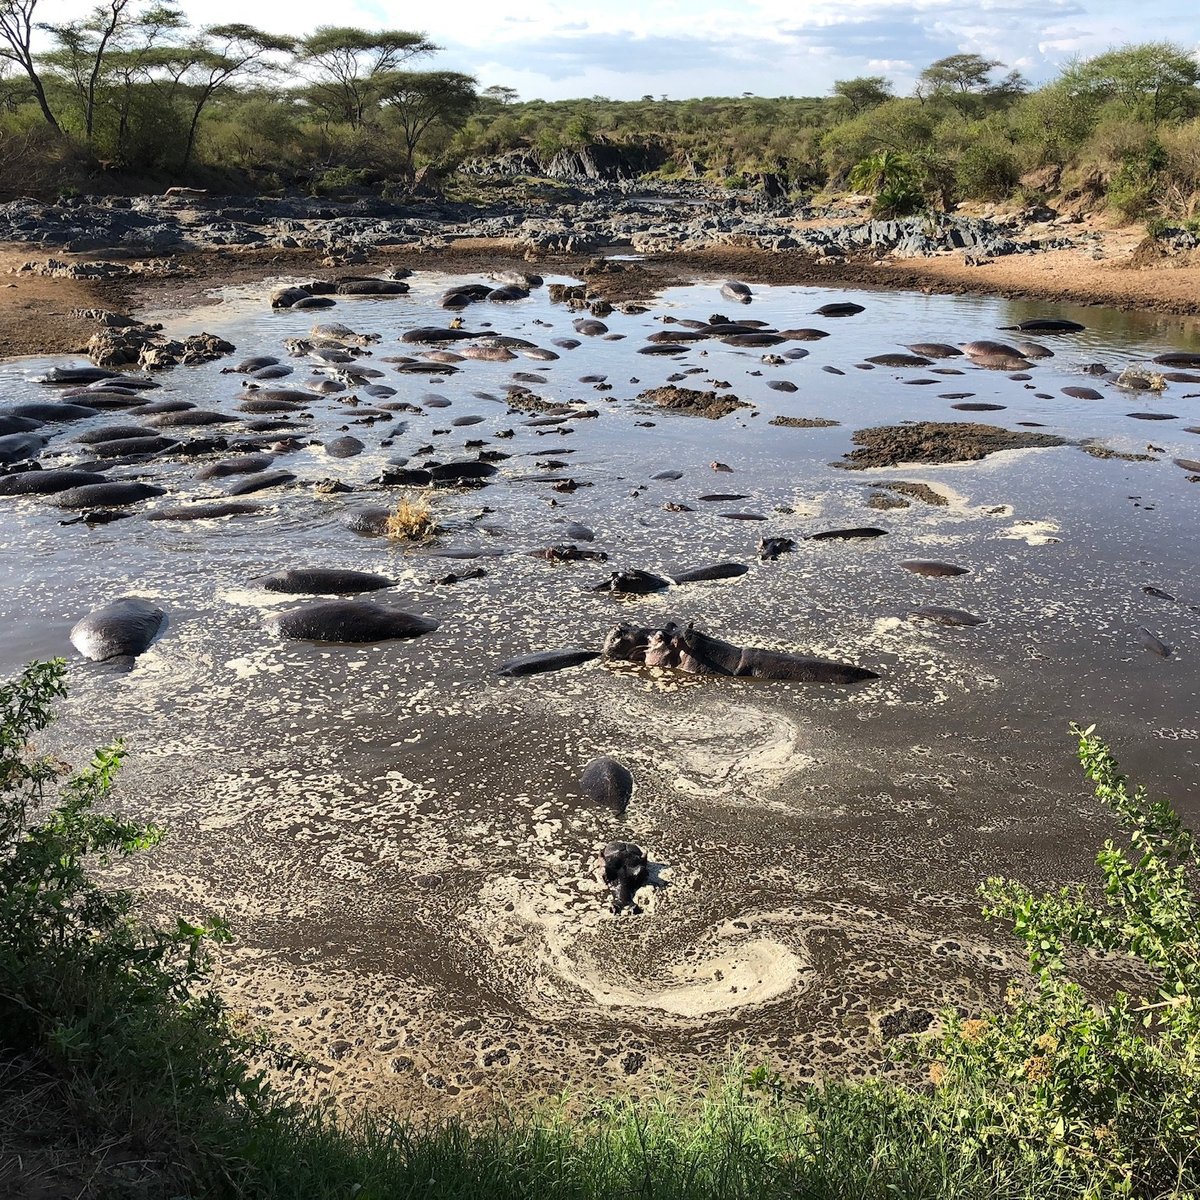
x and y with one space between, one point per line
1133 188
1107 1090
986 171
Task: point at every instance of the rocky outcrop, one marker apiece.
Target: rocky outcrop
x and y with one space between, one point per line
655 218
143 346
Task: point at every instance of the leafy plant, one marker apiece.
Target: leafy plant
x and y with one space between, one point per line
1109 1089
82 981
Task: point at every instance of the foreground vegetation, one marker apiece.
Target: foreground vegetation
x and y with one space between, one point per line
122 1073
133 96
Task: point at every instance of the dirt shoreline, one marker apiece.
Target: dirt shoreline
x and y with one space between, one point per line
41 315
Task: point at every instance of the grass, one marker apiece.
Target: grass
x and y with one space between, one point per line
412 521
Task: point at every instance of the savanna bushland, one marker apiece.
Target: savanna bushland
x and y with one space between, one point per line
135 97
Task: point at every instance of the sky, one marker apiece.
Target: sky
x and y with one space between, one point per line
625 49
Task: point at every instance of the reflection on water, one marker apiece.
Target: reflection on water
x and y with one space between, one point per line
396 833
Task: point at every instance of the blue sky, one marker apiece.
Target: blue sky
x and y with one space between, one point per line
625 48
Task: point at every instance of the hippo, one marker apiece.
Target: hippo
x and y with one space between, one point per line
54 412
11 421
369 522
733 290
935 350
349 621
113 493
757 337
372 287
16 447
724 570
1187 359
626 870
287 297
568 552
457 472
803 335
632 583
246 464
845 308
933 570
120 630
122 447
687 649
1082 393
1048 325
995 356
1154 644
249 365
204 512
542 661
770 548
608 782
782 385
900 360
344 447
46 483
322 580
260 482
432 334
188 418
947 616
589 327
65 376
508 293
862 531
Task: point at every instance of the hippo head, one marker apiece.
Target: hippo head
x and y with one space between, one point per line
625 871
627 642
661 649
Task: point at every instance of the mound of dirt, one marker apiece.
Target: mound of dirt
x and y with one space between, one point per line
693 403
918 491
937 442
804 422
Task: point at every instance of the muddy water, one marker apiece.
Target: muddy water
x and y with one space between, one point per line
395 833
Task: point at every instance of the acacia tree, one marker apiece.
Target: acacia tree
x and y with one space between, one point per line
1154 82
965 81
353 63
863 92
81 50
16 45
421 100
224 53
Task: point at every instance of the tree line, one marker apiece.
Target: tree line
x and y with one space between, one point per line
133 88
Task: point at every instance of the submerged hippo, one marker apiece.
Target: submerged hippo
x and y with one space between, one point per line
322 580
687 649
632 583
116 493
626 870
542 661
46 483
120 630
349 621
606 781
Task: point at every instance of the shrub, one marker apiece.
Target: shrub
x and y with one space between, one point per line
986 171
1110 1091
83 984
